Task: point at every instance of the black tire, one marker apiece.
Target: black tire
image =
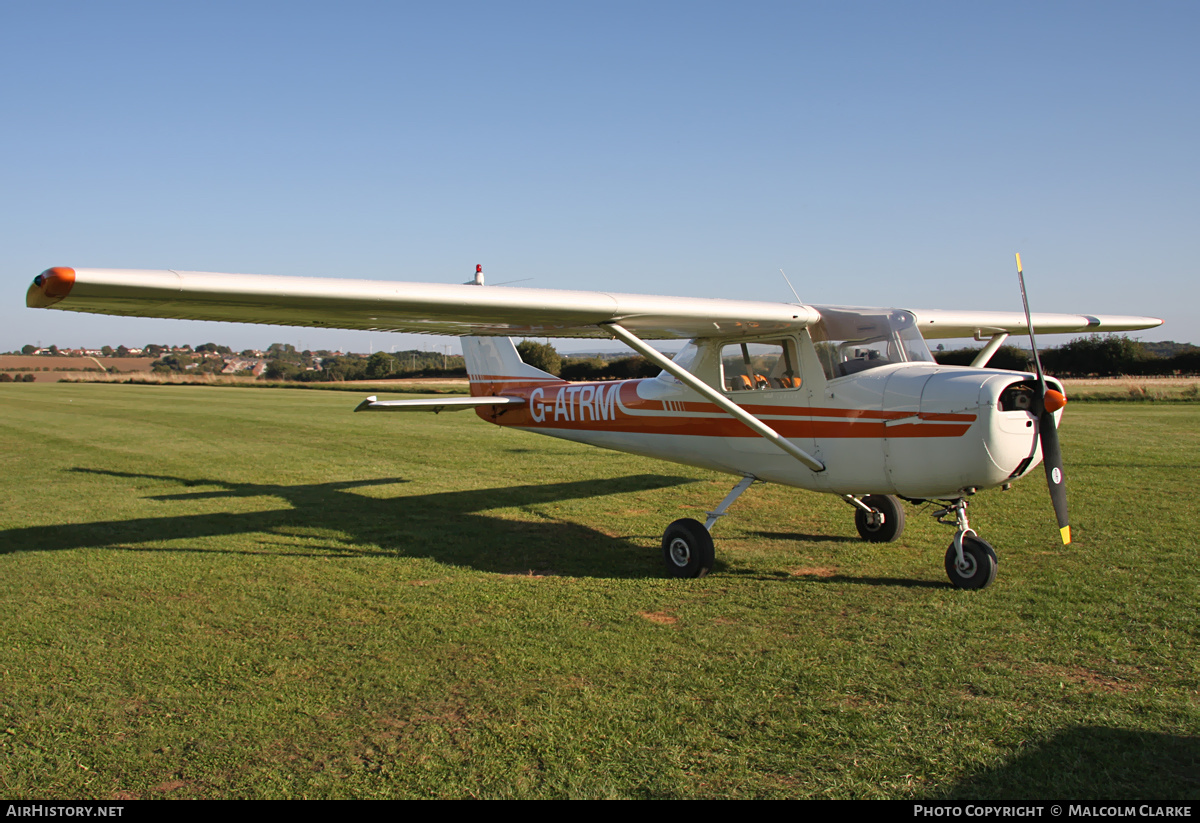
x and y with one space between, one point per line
981 562
688 549
893 519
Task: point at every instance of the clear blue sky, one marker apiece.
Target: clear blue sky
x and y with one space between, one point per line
881 153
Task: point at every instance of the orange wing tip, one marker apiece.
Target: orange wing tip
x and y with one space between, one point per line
1066 535
1055 400
49 287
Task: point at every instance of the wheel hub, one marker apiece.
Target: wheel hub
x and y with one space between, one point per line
967 565
681 552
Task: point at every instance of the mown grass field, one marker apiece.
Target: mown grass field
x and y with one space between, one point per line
215 592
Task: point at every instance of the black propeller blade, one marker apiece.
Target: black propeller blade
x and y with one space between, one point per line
1048 402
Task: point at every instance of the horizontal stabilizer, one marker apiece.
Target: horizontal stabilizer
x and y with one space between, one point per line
436 404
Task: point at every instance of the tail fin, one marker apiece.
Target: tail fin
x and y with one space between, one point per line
494 366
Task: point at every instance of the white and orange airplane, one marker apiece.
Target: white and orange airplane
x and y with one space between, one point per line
847 401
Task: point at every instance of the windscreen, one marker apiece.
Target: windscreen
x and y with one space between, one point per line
849 341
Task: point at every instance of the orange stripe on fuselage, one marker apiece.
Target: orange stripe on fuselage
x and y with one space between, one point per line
616 407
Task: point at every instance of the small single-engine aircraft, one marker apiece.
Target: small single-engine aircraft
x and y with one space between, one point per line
842 400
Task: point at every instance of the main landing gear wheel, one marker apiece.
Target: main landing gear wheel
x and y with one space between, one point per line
979 564
688 549
885 523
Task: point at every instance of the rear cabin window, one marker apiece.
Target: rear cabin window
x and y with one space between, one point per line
762 366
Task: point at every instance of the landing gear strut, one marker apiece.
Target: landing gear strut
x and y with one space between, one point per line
687 544
970 561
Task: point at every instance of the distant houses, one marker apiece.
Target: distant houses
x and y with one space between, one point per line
254 365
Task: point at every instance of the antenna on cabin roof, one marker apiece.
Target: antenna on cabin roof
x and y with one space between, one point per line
789 282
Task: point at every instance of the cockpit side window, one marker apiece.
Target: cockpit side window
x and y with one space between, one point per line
759 366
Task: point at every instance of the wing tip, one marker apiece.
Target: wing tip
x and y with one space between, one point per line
49 287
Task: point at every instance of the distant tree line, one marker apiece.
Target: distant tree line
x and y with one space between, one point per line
1099 355
1006 357
596 368
1095 355
149 350
543 356
285 363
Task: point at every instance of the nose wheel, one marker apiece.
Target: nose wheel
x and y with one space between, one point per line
977 569
970 562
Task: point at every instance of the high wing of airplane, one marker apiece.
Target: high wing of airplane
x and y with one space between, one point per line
843 400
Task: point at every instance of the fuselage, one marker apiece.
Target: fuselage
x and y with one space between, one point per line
917 429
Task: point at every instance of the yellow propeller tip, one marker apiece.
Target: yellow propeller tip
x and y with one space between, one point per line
1066 535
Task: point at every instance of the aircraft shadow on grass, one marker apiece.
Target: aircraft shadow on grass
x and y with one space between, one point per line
328 519
1090 763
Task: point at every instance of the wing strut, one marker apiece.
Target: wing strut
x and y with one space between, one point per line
708 392
994 344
